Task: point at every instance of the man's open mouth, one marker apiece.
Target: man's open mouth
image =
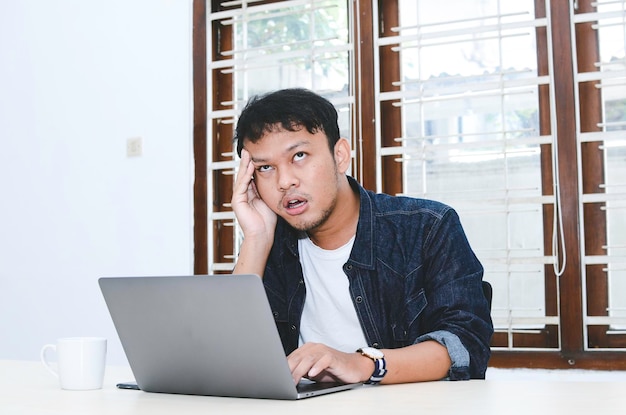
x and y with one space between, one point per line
294 203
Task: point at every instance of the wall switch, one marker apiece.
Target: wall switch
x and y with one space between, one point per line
134 147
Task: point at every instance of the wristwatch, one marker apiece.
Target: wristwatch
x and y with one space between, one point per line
380 366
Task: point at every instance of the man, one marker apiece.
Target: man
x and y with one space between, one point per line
364 287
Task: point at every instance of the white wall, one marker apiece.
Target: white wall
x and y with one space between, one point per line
77 78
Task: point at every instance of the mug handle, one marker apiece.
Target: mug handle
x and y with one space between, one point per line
45 361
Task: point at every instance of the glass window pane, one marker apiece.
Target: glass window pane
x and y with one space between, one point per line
275 45
471 138
292 44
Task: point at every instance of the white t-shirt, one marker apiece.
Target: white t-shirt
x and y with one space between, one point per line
329 316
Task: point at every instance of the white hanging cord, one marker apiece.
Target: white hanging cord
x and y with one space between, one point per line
557 221
557 225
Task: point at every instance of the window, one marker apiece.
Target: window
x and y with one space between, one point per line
601 140
263 46
467 94
511 112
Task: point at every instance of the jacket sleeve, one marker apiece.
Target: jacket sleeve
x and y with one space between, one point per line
458 315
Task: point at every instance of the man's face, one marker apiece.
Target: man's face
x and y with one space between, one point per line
297 176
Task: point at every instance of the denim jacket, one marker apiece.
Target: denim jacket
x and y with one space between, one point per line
412 275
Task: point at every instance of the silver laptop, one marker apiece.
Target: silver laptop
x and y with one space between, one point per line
203 335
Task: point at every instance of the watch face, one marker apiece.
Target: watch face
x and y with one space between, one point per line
372 352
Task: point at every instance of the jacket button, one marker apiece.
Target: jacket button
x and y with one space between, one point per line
359 299
348 267
376 345
293 328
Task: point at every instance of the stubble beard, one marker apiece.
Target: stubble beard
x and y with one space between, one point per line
312 225
320 220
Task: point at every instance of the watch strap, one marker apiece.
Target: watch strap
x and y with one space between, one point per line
380 368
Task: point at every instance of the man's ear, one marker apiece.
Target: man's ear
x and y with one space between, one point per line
342 155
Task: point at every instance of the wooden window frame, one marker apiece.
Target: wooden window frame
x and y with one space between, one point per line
572 352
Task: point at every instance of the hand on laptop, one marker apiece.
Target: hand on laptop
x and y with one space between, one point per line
321 363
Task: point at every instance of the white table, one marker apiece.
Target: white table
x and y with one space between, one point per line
27 388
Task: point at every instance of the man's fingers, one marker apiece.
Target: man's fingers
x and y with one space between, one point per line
245 173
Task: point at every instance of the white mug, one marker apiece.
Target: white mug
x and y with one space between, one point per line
80 362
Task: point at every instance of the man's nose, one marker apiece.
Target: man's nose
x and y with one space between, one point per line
287 179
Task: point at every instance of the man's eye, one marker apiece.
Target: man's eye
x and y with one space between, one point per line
264 168
299 156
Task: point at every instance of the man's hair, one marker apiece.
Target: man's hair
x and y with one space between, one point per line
290 110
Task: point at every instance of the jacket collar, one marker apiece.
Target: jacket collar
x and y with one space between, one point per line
363 250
